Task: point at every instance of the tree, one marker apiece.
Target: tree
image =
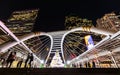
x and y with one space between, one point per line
56 61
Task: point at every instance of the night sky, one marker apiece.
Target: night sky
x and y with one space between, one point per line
52 14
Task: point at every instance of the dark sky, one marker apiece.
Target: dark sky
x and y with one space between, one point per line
52 14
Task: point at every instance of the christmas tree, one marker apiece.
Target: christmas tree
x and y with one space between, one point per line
56 61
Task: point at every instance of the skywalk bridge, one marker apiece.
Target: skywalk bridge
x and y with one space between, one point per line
43 45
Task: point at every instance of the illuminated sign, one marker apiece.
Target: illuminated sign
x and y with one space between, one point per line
89 41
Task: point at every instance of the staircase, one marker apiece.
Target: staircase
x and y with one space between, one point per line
56 43
57 37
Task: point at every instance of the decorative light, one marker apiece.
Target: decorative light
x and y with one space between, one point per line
42 61
68 62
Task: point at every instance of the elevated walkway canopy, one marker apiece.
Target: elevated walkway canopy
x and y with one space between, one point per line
19 40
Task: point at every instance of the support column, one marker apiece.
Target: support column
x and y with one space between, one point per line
113 59
96 57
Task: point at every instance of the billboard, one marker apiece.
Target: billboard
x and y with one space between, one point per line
89 41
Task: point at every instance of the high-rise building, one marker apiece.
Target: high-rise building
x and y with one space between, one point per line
109 22
72 22
22 21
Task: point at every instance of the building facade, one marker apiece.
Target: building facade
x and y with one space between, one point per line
22 21
109 22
